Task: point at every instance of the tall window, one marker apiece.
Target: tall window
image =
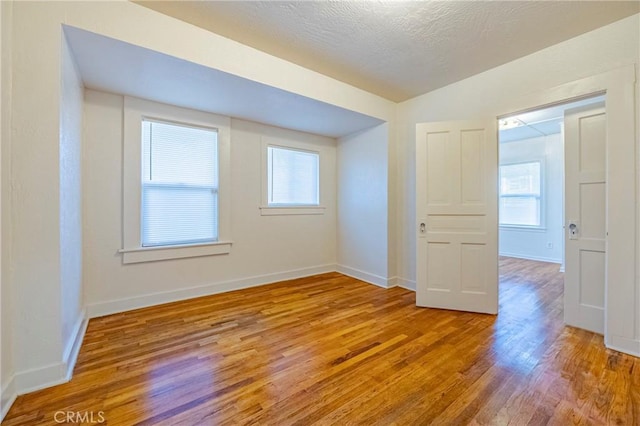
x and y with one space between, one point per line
179 184
292 177
176 182
520 202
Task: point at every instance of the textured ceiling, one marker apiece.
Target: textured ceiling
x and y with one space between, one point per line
398 49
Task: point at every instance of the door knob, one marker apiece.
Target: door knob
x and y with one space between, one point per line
423 228
573 230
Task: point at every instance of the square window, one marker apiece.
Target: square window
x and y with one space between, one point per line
292 177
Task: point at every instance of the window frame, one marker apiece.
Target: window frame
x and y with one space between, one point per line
135 111
267 209
541 197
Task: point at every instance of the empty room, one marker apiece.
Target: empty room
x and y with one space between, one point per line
314 212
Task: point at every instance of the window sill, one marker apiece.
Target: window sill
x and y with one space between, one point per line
291 210
523 228
152 254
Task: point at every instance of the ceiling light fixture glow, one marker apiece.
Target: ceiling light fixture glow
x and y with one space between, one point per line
510 123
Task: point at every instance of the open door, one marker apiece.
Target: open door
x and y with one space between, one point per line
585 213
457 215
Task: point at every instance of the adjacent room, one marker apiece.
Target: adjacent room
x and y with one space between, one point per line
552 166
319 212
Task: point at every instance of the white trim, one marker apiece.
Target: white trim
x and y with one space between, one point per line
9 396
151 254
53 374
363 276
407 284
536 258
75 343
291 210
40 378
95 310
392 282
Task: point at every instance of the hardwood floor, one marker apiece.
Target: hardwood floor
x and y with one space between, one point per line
332 350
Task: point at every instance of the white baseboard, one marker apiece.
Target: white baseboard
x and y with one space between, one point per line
40 378
75 343
364 276
8 396
43 377
100 309
58 373
537 258
407 284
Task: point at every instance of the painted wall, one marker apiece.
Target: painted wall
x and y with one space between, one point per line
265 248
363 201
532 243
491 93
6 321
35 249
71 105
35 178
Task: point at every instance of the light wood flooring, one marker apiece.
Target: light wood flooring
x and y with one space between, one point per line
331 350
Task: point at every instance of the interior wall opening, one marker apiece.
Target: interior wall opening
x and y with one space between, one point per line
552 173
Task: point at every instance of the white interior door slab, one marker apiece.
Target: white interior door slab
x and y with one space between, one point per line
457 212
585 216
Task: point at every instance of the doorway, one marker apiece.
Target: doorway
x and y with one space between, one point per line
457 214
552 193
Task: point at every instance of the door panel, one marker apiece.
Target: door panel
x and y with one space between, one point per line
456 199
585 210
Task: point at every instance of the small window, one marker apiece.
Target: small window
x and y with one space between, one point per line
179 184
292 177
520 190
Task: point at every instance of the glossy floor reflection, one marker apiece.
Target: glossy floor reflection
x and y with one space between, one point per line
332 350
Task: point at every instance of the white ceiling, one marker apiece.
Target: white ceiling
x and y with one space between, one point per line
542 122
107 64
398 49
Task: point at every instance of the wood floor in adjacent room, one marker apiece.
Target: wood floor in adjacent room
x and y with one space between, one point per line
332 350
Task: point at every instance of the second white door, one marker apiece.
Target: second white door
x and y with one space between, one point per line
585 217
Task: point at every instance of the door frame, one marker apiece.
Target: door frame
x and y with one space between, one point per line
622 316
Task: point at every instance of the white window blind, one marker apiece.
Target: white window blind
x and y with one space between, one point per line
520 203
179 184
292 177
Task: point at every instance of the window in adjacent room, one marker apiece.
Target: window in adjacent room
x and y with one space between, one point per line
520 194
176 182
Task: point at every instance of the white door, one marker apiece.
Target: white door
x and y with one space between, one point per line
457 215
585 216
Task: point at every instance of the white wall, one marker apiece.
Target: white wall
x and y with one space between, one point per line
71 105
604 59
35 248
7 392
532 243
35 178
265 248
491 93
362 205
